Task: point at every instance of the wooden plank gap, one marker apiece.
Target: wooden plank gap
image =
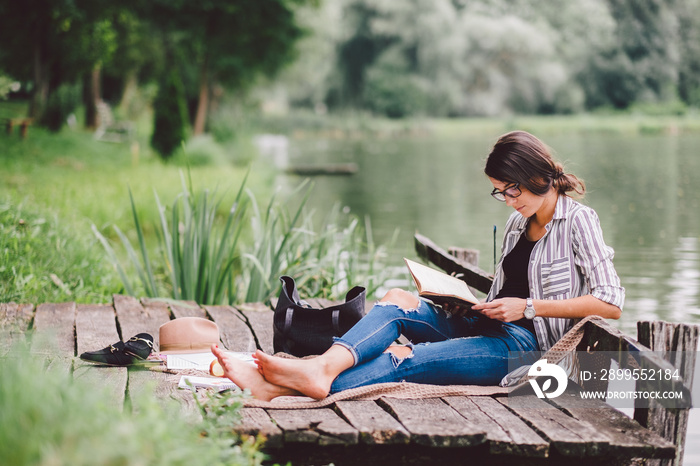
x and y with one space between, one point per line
259 317
506 433
235 332
567 435
444 427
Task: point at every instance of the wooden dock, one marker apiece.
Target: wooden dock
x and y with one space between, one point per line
450 430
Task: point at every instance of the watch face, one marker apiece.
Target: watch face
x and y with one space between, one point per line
529 313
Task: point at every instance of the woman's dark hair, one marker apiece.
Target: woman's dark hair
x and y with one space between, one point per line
519 157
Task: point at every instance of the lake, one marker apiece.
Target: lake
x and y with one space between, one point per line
645 188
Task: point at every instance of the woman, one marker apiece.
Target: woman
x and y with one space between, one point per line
555 267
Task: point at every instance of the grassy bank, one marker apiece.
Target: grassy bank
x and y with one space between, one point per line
301 124
627 124
53 187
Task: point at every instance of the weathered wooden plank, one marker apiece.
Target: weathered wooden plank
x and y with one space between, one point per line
187 309
147 385
374 425
134 318
14 322
151 303
255 421
54 328
568 436
602 336
469 273
433 423
317 426
96 328
506 433
627 438
259 318
677 343
235 333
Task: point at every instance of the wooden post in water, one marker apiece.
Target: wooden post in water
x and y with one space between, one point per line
676 343
470 256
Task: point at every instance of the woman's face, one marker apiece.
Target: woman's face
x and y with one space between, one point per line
527 203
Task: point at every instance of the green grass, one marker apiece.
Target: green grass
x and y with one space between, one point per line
47 417
42 260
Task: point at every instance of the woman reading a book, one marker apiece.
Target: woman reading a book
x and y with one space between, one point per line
555 267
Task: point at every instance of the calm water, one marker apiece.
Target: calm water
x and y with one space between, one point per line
646 190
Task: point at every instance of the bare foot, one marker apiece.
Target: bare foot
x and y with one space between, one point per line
311 377
245 375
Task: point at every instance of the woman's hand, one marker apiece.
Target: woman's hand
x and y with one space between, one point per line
503 309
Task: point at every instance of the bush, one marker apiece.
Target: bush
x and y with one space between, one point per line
49 418
170 119
62 102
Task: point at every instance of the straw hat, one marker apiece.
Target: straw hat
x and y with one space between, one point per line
188 335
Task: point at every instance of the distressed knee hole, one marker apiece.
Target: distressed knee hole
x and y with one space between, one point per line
397 360
390 304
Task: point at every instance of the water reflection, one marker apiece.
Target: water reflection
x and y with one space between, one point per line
643 188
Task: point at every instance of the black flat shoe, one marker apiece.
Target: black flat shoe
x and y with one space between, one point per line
139 346
134 351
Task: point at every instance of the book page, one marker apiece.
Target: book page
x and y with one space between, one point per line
433 283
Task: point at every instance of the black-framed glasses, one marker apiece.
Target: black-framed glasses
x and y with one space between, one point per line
511 191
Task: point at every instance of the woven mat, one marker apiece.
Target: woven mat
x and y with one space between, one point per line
403 390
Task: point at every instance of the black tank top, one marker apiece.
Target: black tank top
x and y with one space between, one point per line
516 283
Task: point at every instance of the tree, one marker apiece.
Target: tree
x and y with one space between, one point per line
51 42
231 43
643 65
170 119
688 14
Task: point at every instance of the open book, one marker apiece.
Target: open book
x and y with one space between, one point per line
439 287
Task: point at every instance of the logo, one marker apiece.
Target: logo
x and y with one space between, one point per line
544 369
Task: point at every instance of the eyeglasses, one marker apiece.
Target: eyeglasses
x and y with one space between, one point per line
511 191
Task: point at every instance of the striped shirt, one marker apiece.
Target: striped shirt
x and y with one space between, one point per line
569 261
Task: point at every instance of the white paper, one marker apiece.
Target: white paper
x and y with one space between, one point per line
200 361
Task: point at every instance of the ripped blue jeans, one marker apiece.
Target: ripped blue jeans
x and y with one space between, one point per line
446 350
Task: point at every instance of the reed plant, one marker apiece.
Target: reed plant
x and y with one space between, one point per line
279 243
198 256
213 261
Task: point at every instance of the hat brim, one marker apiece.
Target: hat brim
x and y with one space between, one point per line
197 349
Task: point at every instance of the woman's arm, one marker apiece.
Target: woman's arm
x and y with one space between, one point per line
511 309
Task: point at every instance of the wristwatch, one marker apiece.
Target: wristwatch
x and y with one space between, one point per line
529 309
